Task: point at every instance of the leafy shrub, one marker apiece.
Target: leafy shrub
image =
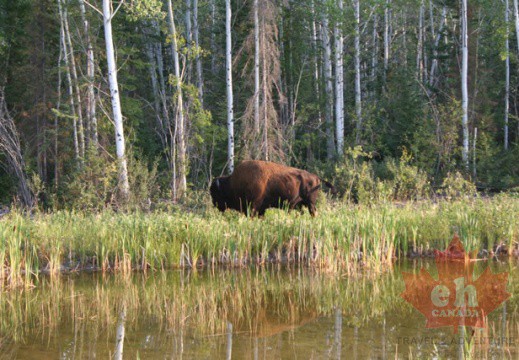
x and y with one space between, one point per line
92 186
407 181
455 186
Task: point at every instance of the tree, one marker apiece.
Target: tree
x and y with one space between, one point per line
179 132
464 84
228 77
328 110
339 82
10 146
507 75
108 15
358 91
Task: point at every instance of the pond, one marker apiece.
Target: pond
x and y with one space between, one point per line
250 313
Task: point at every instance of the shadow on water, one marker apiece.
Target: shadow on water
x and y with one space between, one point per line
258 313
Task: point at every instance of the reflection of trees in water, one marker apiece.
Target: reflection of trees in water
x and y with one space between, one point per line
180 311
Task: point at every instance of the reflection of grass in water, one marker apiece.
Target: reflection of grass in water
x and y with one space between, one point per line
339 239
257 301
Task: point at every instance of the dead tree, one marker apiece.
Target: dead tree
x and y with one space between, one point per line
10 147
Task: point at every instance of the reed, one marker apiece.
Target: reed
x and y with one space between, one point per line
341 237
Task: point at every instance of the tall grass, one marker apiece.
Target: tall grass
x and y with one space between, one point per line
341 237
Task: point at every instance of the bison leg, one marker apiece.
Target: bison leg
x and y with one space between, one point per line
312 209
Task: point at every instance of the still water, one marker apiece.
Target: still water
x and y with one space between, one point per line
258 313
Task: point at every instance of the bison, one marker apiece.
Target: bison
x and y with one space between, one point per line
257 185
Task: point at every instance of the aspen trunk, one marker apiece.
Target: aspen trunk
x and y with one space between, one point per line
91 99
464 84
198 59
179 123
256 69
75 81
358 94
434 64
69 83
339 84
507 75
124 186
228 72
328 113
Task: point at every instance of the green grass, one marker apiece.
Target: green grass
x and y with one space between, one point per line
340 237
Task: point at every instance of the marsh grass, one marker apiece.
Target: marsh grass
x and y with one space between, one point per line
341 238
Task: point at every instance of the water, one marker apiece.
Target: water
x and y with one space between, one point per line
243 314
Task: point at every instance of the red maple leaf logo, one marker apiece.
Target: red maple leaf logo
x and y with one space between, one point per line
455 299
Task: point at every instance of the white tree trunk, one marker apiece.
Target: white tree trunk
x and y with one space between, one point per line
256 69
358 91
339 82
179 123
464 84
316 60
228 73
328 113
434 65
213 36
116 102
507 75
188 40
199 75
75 80
56 118
387 35
69 83
374 55
419 49
91 99
516 12
264 97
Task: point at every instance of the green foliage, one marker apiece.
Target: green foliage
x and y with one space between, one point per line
455 186
92 187
141 10
143 184
368 181
407 181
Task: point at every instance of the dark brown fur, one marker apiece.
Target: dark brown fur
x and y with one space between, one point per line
257 185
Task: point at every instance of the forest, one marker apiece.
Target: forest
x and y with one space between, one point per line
105 103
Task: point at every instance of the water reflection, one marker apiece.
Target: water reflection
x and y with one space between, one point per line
253 314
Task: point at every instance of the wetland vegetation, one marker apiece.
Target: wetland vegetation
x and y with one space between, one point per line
342 237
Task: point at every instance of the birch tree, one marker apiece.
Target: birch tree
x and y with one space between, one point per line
339 82
387 35
70 85
10 147
75 82
507 74
228 77
516 17
108 15
90 74
179 123
434 64
358 91
419 49
256 69
198 58
464 84
328 111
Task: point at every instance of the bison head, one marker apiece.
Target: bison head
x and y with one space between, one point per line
220 192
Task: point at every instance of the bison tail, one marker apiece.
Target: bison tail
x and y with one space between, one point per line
329 185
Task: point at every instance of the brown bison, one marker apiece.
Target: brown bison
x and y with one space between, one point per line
257 185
